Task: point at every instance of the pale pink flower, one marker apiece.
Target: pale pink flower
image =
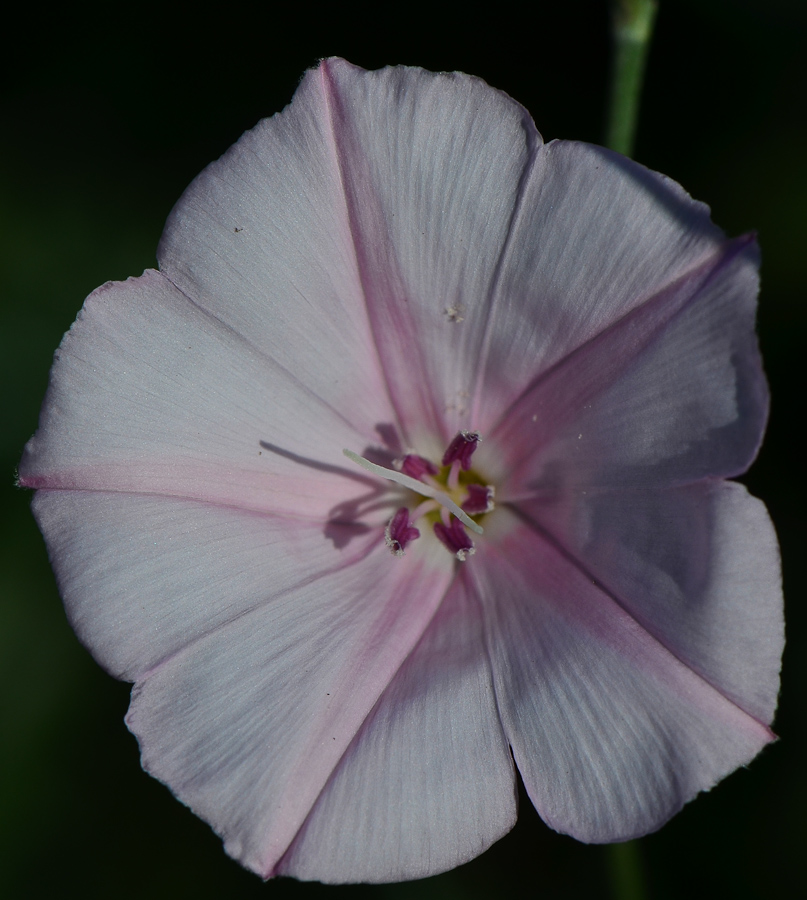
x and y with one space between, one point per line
394 260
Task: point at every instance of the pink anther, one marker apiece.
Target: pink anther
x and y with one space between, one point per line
462 449
455 537
417 466
399 532
479 499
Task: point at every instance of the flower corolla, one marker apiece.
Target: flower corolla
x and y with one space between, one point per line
406 469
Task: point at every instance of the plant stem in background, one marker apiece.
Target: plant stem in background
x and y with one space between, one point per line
632 24
625 871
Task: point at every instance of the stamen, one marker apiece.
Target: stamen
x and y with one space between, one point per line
454 475
462 449
417 466
479 500
399 532
423 509
418 487
455 538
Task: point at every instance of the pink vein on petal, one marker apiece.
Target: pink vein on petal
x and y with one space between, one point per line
547 537
382 677
530 171
646 327
118 479
400 329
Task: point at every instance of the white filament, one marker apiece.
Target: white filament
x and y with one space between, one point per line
425 490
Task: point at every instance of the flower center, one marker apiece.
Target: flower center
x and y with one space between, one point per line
453 495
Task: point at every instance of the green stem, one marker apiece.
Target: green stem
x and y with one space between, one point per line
626 872
632 29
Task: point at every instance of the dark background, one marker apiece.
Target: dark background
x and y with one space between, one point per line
105 116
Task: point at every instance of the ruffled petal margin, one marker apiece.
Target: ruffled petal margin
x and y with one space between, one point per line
151 394
671 393
259 649
611 731
697 566
428 782
594 237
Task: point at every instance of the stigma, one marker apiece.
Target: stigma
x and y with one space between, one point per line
449 497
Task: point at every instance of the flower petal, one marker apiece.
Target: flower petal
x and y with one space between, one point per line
431 166
611 732
247 723
261 240
673 392
143 576
151 394
595 236
428 782
697 567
